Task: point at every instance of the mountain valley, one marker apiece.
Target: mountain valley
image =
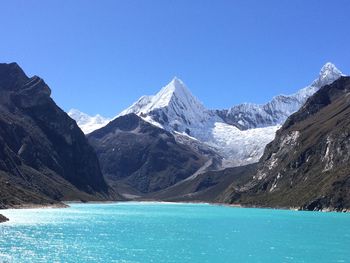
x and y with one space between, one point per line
170 147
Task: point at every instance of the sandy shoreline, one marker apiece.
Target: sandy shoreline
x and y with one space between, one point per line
35 206
4 219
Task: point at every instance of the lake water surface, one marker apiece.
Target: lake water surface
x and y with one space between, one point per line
162 232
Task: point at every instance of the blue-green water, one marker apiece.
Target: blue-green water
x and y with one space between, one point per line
155 232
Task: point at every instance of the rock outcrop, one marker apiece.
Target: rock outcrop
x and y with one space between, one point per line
3 219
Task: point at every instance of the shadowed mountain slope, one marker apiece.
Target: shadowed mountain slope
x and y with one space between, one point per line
44 156
137 157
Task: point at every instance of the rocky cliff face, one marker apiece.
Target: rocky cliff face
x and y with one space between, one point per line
142 158
307 165
205 187
44 156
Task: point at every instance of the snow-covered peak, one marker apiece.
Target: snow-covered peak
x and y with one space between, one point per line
174 92
328 74
86 122
330 69
176 85
173 107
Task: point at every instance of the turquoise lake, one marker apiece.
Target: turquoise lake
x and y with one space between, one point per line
162 232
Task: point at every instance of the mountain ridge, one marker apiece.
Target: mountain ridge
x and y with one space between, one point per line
279 108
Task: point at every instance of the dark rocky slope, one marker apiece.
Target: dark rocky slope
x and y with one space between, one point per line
44 156
138 158
307 166
206 186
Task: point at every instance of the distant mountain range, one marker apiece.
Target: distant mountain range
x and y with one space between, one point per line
180 126
238 134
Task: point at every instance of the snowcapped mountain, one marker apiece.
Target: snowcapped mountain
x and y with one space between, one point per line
239 134
248 115
328 74
175 109
86 122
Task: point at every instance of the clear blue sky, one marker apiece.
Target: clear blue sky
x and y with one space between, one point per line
100 56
